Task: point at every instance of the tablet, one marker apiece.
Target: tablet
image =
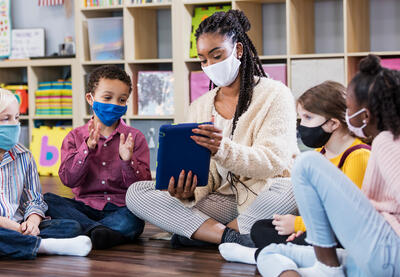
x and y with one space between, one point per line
177 151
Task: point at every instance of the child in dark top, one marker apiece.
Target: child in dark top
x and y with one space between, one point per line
99 161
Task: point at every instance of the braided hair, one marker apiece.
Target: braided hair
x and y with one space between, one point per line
378 88
235 24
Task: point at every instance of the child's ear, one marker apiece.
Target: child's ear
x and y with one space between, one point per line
89 98
335 124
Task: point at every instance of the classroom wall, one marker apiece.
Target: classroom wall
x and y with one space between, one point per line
27 14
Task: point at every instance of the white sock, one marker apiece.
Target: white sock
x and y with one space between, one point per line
234 252
77 246
321 270
273 265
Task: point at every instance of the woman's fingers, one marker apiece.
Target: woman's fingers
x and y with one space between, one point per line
188 183
171 186
179 187
208 134
211 147
194 184
210 127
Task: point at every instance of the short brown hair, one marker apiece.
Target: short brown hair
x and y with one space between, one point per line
111 72
327 99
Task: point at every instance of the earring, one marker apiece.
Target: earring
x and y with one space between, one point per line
364 121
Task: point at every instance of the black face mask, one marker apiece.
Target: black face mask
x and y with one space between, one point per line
314 137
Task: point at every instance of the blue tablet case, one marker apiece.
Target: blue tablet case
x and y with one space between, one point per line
177 151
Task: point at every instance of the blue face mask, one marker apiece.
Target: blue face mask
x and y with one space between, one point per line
9 136
108 113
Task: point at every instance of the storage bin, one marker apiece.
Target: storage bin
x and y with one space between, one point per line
106 38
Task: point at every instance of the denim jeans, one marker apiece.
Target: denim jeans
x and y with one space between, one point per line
18 246
330 205
119 219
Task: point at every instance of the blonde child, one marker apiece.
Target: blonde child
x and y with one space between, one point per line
24 231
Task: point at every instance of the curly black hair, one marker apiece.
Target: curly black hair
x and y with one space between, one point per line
111 72
378 89
235 24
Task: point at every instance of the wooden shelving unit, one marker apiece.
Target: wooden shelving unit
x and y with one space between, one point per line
295 34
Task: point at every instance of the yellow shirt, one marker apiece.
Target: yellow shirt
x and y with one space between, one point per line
354 167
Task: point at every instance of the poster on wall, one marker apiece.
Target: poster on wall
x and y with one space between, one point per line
27 43
5 29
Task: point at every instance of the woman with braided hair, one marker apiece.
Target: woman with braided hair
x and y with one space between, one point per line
253 145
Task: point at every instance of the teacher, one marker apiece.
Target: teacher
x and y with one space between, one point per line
252 142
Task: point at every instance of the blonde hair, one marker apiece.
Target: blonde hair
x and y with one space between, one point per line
6 98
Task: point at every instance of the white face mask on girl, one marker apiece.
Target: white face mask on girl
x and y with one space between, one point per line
358 131
224 73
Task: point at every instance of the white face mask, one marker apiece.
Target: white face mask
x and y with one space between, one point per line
224 73
358 131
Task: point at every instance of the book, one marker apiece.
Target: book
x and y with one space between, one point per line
199 84
54 98
155 93
199 14
276 72
391 63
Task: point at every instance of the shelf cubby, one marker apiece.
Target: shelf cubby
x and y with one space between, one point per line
83 32
150 129
133 69
373 25
315 26
150 32
268 25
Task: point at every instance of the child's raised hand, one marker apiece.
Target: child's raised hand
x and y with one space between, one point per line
126 147
284 224
94 134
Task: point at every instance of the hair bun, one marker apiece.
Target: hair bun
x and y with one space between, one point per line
242 18
370 65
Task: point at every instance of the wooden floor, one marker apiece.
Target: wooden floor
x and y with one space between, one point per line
144 258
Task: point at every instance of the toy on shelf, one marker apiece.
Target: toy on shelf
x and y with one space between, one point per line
46 146
21 92
155 93
201 13
54 98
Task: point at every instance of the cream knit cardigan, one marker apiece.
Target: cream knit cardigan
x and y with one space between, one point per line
263 146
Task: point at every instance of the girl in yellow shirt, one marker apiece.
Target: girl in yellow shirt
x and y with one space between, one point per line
323 127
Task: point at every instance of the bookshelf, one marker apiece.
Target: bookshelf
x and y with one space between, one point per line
157 37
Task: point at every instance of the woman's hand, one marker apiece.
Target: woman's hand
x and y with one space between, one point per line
212 139
184 190
284 224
